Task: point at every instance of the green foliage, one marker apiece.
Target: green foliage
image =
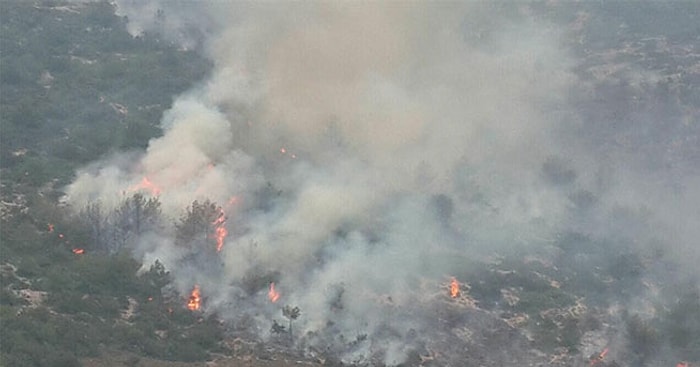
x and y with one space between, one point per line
65 76
62 72
8 298
36 337
155 279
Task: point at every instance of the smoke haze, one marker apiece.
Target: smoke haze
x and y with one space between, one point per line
371 147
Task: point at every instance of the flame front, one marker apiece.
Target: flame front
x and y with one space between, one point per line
195 301
599 358
220 230
50 229
148 185
78 251
454 288
273 295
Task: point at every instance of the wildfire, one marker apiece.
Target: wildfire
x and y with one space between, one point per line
220 230
454 288
284 151
599 358
683 364
146 184
195 301
50 225
78 251
273 295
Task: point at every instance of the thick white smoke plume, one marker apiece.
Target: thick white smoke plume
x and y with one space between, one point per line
368 147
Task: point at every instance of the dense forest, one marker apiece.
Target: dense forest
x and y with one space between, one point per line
76 86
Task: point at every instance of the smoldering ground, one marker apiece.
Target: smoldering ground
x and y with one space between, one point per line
370 147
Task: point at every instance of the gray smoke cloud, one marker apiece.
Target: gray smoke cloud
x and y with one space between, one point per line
400 138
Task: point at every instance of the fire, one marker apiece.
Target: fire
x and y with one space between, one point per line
220 230
454 288
603 353
146 184
50 227
599 358
683 364
78 251
195 300
273 295
221 233
284 151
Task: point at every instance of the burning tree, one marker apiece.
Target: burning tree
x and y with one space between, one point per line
201 223
272 294
195 300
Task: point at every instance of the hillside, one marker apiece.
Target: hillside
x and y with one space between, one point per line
518 259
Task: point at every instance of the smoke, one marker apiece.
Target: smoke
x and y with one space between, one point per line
372 146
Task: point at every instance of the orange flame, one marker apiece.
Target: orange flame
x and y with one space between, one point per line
78 251
220 231
284 151
683 364
599 357
195 300
146 184
454 288
50 227
273 295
